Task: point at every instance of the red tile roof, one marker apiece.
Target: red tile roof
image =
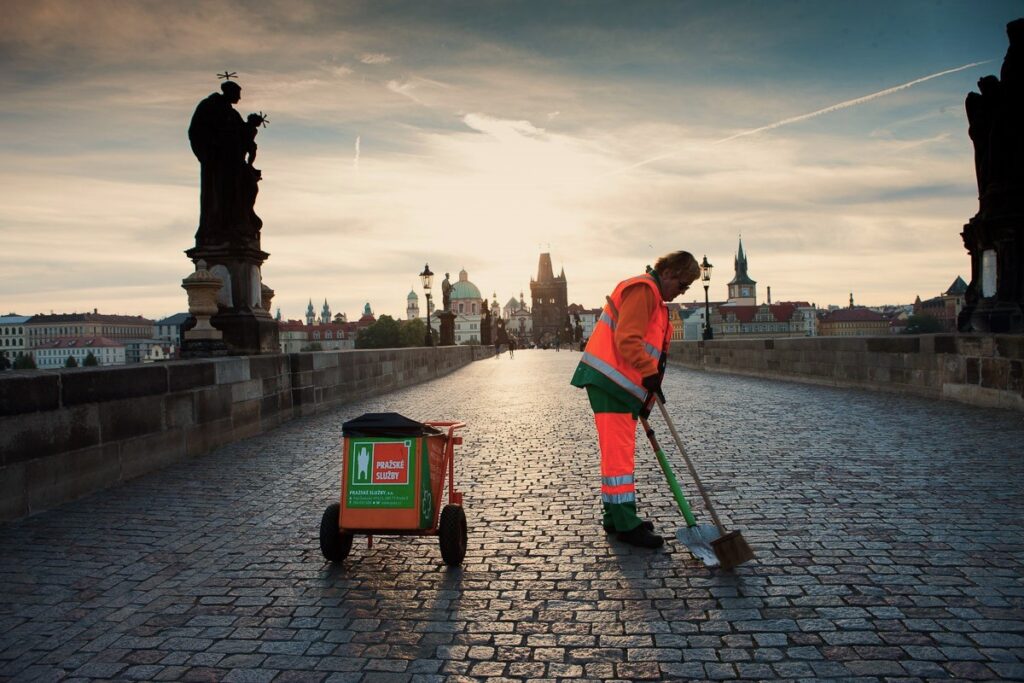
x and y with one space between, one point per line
80 343
852 315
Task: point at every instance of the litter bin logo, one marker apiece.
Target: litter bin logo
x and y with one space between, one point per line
380 473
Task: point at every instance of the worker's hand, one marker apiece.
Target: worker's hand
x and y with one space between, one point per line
652 383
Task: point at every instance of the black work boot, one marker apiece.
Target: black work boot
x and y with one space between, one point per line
641 537
610 528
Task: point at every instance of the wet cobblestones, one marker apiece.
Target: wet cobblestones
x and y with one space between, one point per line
889 533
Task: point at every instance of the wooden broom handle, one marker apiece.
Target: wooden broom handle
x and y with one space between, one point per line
690 467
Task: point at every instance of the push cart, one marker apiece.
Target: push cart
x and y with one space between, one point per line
392 482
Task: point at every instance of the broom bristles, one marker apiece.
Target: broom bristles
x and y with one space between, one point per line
732 550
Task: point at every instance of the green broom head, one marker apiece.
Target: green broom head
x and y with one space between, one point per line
731 550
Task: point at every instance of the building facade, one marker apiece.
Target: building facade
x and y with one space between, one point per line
43 329
946 307
55 352
550 299
13 336
855 321
170 330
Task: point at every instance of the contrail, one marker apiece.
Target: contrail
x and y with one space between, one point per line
826 110
355 161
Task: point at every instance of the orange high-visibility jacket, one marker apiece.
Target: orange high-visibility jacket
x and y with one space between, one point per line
602 353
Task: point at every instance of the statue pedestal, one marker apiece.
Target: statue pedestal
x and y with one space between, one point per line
248 328
994 302
447 319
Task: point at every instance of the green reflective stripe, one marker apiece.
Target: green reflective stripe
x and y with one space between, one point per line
618 497
614 375
617 481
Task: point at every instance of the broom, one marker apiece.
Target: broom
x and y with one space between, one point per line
730 547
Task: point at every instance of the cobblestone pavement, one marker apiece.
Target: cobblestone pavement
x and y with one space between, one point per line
889 533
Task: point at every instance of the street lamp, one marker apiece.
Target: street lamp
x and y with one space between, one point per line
428 279
705 276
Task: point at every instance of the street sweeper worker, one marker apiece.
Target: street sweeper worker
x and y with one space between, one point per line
621 369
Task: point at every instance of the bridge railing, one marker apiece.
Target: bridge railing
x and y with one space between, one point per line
982 370
66 433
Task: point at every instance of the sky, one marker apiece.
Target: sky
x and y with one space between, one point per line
831 136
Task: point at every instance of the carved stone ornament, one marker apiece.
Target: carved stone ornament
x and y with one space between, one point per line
202 287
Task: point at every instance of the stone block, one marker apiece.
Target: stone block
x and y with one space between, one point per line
1010 346
190 374
96 385
178 410
59 478
1015 377
245 414
203 438
231 370
994 373
130 418
36 435
151 452
300 362
973 368
894 344
304 396
28 392
271 365
12 492
325 359
212 404
246 391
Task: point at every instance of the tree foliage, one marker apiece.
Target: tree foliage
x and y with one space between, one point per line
5 364
71 362
90 361
922 324
388 333
24 362
385 333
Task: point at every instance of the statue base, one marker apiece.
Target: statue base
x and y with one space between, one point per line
994 302
204 348
248 329
447 319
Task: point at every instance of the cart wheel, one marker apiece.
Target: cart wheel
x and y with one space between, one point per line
333 544
451 533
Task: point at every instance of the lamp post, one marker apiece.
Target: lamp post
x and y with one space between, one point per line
428 279
705 276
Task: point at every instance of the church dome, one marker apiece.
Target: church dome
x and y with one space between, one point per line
464 289
412 295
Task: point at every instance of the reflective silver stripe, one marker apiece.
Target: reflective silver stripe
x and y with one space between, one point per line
618 497
607 320
614 375
617 481
652 351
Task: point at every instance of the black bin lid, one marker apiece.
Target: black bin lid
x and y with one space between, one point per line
386 424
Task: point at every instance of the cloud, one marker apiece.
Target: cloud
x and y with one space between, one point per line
375 58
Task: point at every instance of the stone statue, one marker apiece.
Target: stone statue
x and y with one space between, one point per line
225 146
446 294
994 117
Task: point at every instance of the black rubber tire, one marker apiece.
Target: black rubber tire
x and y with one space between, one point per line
452 535
333 544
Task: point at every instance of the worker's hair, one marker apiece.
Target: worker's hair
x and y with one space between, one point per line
681 262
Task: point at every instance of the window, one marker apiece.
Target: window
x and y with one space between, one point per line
461 307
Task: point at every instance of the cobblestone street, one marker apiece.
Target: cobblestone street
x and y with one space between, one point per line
889 534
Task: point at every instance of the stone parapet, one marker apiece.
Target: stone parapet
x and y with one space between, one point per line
982 370
65 433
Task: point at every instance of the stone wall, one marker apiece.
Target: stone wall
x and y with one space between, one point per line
982 370
66 433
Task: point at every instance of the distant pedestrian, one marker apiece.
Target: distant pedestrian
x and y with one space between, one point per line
621 369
